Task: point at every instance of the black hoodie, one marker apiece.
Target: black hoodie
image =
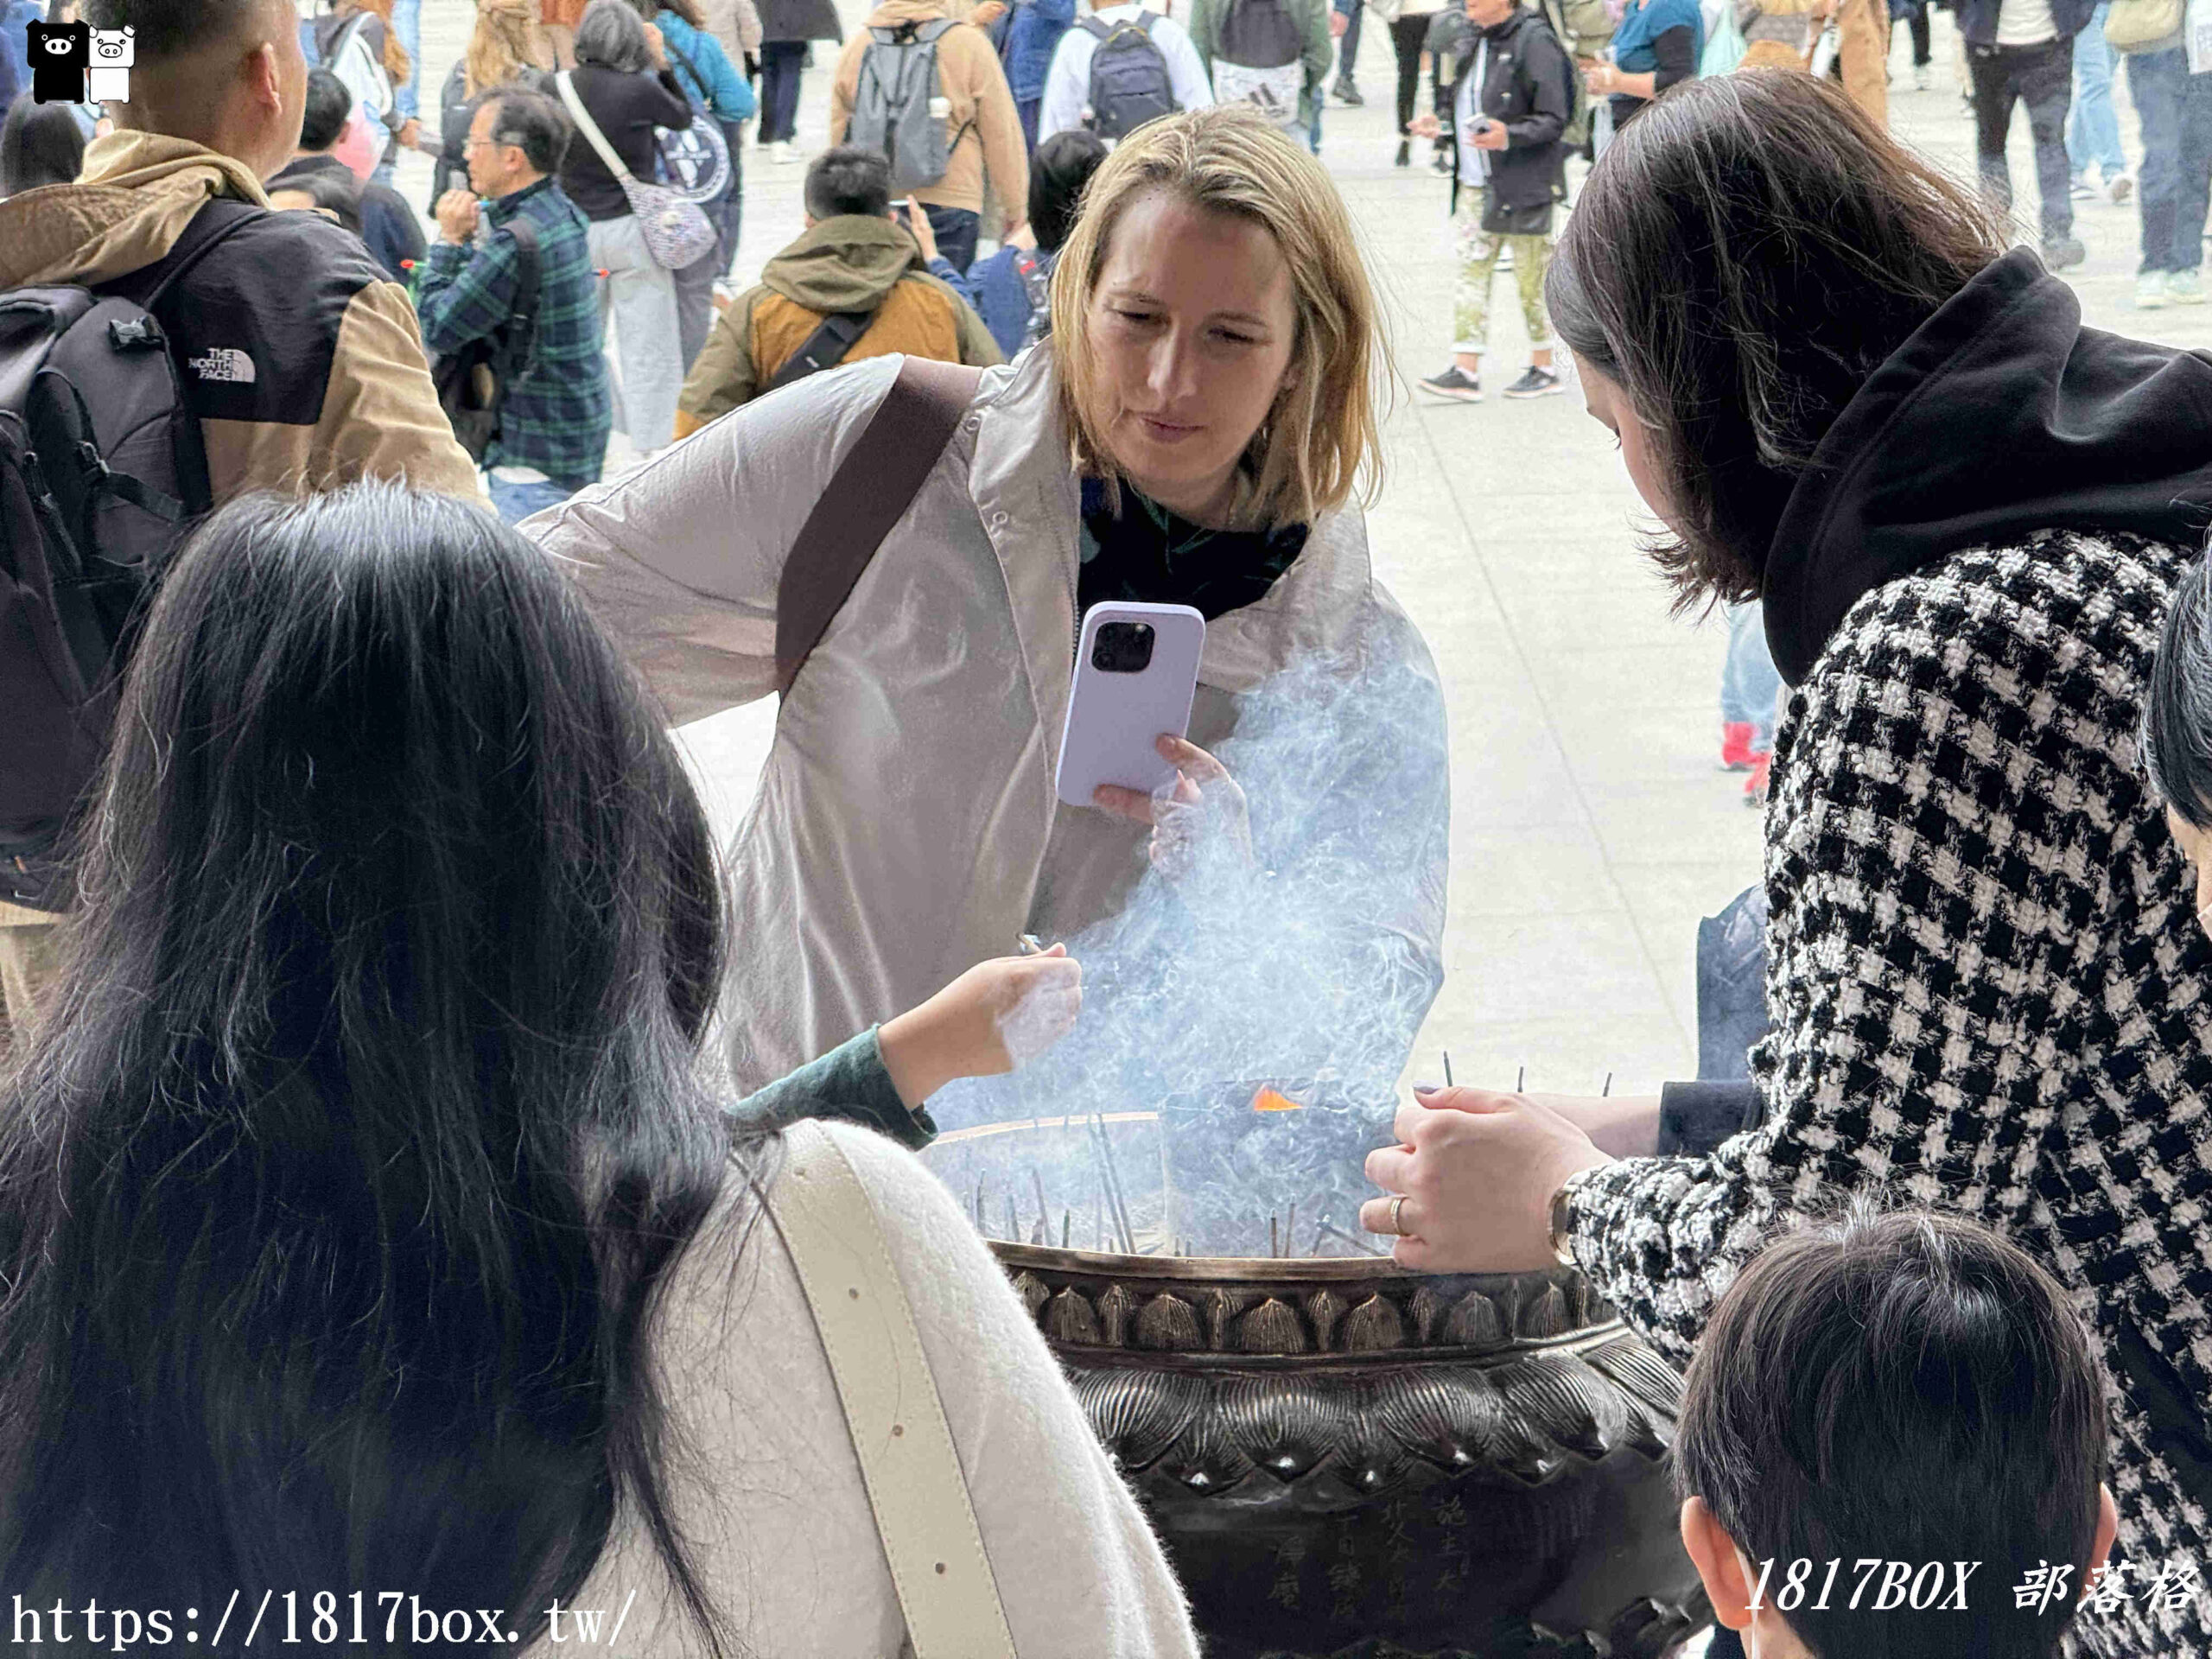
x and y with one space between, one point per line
2000 416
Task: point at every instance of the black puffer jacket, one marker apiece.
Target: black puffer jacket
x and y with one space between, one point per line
1527 84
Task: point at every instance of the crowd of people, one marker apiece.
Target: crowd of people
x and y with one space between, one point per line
427 1161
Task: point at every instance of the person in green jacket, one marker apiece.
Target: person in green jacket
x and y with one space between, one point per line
1210 19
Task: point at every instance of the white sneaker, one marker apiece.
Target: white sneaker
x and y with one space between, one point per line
2119 187
2184 287
786 152
2150 291
1920 79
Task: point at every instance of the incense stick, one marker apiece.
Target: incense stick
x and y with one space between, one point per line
1339 1232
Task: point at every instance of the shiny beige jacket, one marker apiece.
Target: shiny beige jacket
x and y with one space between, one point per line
901 827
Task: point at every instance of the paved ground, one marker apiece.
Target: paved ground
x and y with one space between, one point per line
1590 828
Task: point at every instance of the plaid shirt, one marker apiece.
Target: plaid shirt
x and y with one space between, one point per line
557 418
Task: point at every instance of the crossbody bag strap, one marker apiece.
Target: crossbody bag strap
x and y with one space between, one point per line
869 493
896 1417
825 348
566 81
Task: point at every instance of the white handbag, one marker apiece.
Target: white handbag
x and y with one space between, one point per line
922 1512
678 231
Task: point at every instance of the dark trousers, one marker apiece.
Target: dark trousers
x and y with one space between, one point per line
780 63
1348 43
2041 76
1916 21
2176 183
1029 108
1406 34
954 229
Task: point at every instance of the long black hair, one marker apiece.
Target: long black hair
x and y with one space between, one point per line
338 1178
1749 251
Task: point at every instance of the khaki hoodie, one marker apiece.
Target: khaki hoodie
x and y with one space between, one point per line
850 262
302 361
988 126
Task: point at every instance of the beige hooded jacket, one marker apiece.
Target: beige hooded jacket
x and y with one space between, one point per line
310 373
906 825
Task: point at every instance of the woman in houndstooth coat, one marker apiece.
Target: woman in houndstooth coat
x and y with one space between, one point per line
1965 516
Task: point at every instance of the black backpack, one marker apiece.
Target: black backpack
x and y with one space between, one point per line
1259 35
1129 84
102 472
473 382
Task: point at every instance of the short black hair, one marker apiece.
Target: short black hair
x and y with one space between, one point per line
330 100
168 28
1903 1384
532 121
1058 173
848 179
40 144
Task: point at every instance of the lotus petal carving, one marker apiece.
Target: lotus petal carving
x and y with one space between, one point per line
1069 1317
1565 1400
1474 1323
1451 1417
1374 1326
1137 1415
1273 1327
1114 1309
1282 1423
1325 1307
1033 1292
1167 1322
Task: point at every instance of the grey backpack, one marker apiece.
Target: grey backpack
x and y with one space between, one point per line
899 107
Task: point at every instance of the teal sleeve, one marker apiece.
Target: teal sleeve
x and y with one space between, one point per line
849 1081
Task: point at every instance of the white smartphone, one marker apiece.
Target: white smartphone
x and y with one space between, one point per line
1136 671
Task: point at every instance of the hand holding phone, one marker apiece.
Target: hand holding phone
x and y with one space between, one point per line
1136 674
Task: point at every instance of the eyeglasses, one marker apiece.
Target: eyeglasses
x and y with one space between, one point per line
483 144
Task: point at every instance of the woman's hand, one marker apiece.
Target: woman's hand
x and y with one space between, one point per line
655 48
1599 79
1205 808
1477 1171
996 1017
411 134
1424 126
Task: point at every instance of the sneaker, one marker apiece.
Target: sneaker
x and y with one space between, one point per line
1537 383
786 152
1404 153
1755 786
2079 190
2184 287
1456 385
2063 253
1346 92
1736 746
1920 82
2119 187
1441 159
2150 291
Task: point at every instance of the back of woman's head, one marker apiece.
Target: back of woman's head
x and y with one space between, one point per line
1058 173
39 144
336 1183
1318 444
501 46
612 35
1751 249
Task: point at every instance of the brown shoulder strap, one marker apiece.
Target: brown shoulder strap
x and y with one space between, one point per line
869 492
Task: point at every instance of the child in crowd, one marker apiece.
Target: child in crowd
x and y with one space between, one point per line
1896 1401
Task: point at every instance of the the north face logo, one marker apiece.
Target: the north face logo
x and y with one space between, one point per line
223 363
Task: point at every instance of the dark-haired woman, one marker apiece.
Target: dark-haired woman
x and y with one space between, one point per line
1658 45
1964 516
365 1217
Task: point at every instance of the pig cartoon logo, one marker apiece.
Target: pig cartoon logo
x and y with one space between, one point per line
113 52
60 54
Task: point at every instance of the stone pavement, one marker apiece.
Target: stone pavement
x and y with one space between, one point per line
1590 828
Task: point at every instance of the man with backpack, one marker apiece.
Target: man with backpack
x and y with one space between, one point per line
233 348
1119 68
854 285
509 286
926 93
1273 53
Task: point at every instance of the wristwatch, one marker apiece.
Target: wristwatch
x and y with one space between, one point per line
1562 1233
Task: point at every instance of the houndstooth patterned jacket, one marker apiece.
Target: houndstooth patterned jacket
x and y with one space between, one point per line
1989 989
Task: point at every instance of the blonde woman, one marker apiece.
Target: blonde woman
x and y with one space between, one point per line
508 46
1197 429
383 42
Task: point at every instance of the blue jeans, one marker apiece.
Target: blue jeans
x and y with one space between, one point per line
1348 43
2175 108
1029 108
407 19
516 502
2092 131
1749 681
780 62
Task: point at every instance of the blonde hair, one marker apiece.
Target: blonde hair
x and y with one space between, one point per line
1318 444
396 63
503 44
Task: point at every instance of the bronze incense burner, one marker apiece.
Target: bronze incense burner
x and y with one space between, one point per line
1343 1459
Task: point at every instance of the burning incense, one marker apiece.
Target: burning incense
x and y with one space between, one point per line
1339 1233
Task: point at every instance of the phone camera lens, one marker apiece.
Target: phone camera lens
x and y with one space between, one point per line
1121 647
